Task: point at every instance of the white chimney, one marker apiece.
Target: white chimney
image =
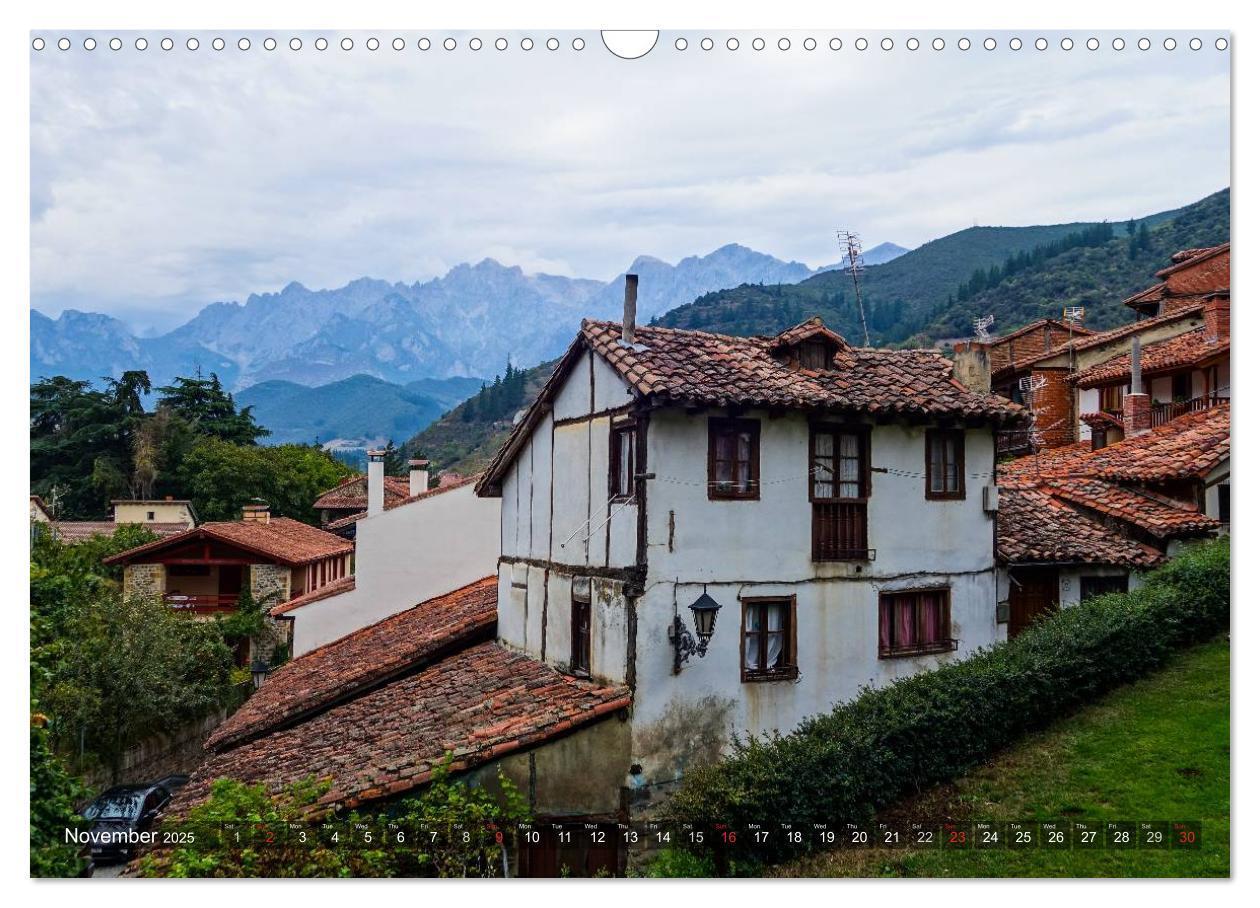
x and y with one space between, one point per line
419 477
376 482
631 306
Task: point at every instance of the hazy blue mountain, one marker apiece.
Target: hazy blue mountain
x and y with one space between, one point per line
359 411
466 323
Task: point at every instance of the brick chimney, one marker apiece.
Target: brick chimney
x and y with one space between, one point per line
1216 318
1135 409
376 482
256 513
971 366
631 308
418 477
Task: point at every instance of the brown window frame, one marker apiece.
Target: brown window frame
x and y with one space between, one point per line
897 650
622 486
1111 398
579 638
788 671
959 439
731 426
1099 582
857 505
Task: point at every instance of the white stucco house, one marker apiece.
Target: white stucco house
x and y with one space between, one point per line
407 551
836 504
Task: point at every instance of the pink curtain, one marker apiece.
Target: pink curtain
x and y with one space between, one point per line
931 609
906 635
743 465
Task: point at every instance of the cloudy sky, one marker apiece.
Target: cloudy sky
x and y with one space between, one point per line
165 180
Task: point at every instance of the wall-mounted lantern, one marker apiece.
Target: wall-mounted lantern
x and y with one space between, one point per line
704 615
259 671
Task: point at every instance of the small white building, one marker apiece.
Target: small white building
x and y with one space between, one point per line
407 551
836 505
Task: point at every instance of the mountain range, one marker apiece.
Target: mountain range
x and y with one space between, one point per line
468 322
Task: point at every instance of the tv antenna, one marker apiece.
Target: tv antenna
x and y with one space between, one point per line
982 325
1074 315
851 243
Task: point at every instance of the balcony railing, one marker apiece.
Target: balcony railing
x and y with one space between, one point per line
1162 413
203 604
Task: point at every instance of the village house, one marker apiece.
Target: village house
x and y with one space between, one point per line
1075 380
162 517
341 506
407 549
203 570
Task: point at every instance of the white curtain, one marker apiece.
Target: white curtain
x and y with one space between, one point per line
774 635
752 638
824 451
849 463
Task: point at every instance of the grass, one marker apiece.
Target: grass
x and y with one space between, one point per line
1155 750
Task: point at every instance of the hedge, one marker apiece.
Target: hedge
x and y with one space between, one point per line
892 741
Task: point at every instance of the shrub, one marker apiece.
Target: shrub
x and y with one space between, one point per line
843 765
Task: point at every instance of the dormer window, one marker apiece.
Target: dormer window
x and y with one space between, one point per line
810 346
815 355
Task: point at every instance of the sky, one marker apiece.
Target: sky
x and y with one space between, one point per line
162 181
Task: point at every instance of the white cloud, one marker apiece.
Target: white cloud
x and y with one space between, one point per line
163 181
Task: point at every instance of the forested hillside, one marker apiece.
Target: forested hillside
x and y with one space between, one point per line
934 292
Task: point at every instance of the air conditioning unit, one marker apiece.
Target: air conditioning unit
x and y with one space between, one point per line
989 499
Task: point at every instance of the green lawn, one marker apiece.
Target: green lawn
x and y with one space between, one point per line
1156 750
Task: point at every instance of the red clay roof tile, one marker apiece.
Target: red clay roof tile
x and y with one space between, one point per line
478 704
351 493
282 539
1181 351
365 657
1036 528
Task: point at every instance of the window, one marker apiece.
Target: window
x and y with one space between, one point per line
580 628
914 622
816 355
1100 586
945 464
768 641
622 461
1181 386
1222 502
151 515
734 458
839 484
1111 398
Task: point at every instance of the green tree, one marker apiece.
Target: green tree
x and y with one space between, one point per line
210 410
127 668
54 792
220 477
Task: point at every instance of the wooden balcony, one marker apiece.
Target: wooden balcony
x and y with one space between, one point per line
1162 413
204 603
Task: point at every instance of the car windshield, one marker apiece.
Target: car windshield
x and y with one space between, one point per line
114 807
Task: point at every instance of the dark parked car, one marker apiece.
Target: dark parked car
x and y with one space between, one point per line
122 810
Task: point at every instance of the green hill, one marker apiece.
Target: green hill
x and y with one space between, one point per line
466 438
1028 272
357 408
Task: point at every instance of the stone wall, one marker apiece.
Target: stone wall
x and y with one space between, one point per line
268 579
144 580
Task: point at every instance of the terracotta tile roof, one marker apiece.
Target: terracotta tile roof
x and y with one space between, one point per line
328 590
282 539
1162 517
810 328
456 481
1189 446
71 531
341 522
1178 352
1099 338
673 366
479 704
352 493
1034 527
1040 323
1188 258
366 657
1101 420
